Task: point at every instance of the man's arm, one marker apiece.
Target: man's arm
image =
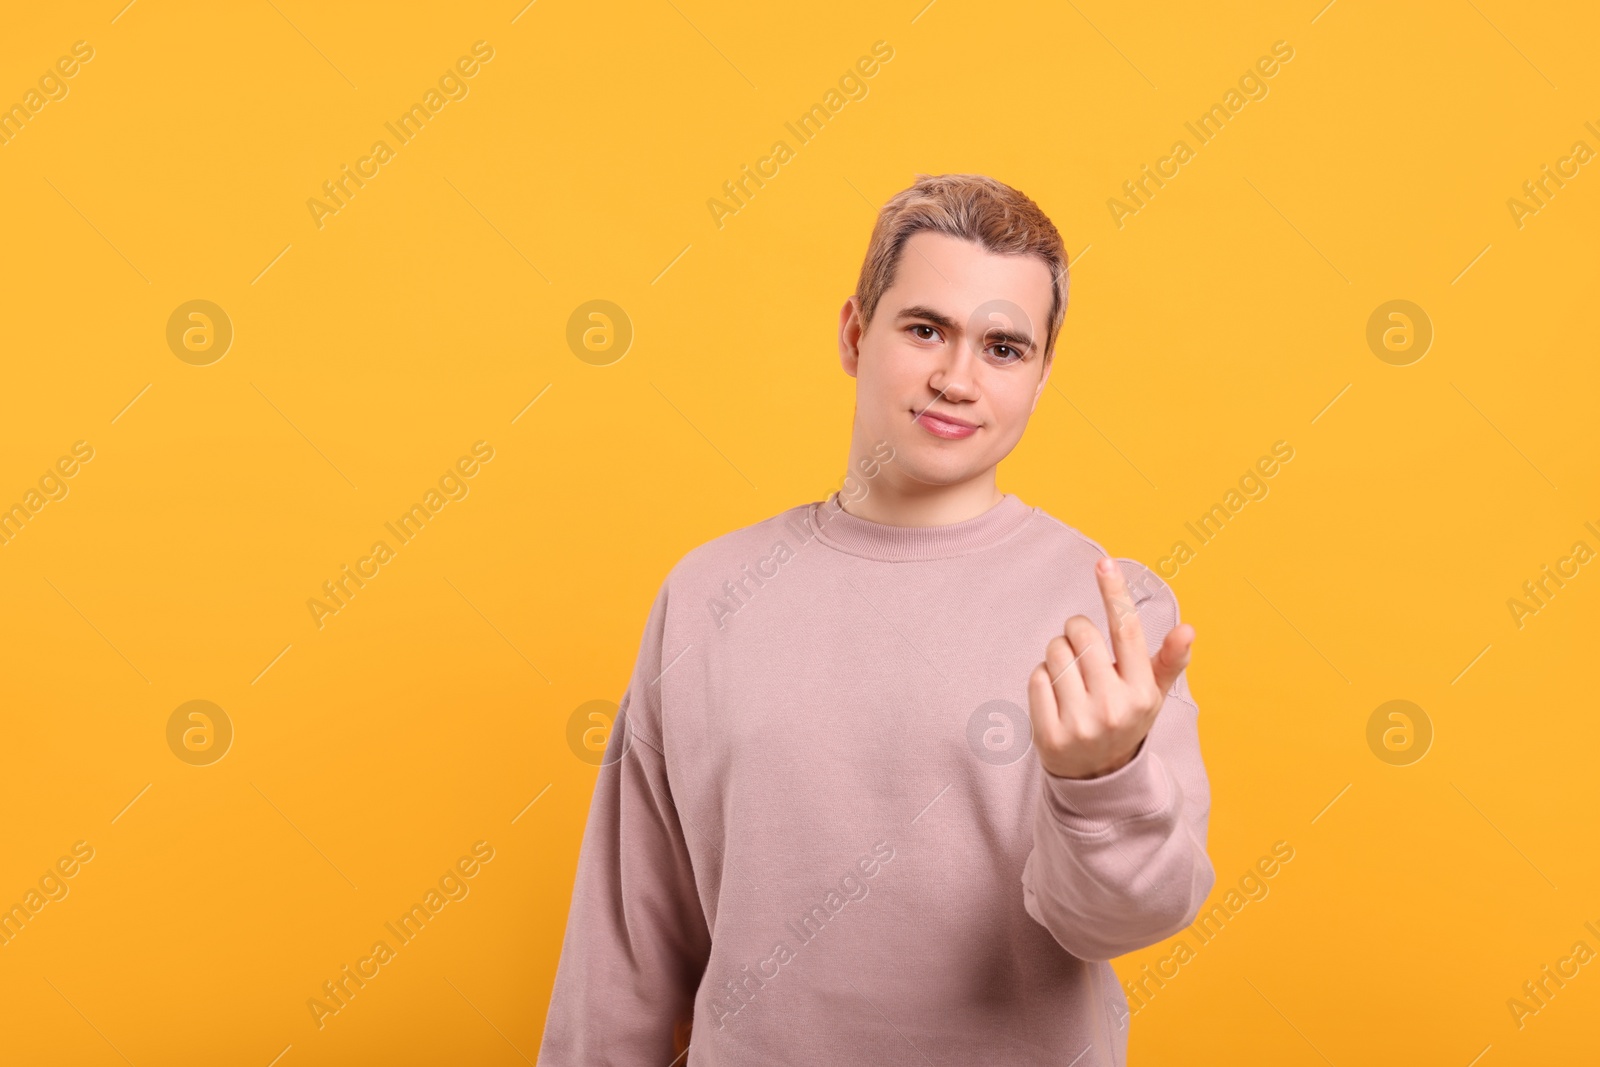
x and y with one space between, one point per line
636 942
1119 858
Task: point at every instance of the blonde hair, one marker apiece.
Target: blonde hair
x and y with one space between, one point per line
971 206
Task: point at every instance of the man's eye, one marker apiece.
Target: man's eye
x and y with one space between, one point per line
923 326
1011 355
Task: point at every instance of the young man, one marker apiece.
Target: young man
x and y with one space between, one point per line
826 831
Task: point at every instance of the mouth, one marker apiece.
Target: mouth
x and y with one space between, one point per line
945 426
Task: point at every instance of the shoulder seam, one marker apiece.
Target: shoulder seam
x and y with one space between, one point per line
1075 533
776 519
1092 543
647 742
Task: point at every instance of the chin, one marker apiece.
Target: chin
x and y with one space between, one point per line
938 469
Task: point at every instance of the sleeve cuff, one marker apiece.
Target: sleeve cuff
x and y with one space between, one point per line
1139 787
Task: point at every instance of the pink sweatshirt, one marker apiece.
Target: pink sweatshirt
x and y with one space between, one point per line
820 831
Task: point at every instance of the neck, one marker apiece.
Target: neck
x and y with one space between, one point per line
892 498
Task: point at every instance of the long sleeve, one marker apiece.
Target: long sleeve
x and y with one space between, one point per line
636 942
1119 862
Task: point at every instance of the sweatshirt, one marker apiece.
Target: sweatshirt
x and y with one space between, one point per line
819 832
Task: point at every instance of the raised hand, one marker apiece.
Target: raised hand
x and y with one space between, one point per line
1090 714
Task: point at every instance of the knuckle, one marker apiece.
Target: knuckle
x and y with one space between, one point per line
1040 691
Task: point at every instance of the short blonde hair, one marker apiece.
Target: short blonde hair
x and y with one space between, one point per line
971 206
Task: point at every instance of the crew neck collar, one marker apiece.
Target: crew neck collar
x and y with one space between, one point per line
837 528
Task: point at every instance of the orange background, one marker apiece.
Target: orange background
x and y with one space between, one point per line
431 311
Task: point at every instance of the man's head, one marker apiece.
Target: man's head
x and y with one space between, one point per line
956 313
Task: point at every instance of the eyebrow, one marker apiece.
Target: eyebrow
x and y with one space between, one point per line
1015 338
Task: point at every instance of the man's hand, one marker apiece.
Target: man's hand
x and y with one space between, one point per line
1089 714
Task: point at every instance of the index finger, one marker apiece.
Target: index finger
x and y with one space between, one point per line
1122 619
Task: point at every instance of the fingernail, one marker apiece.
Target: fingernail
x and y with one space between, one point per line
1104 564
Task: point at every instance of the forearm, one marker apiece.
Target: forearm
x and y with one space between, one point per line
636 940
1119 861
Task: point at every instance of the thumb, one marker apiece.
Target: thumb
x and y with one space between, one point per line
1173 656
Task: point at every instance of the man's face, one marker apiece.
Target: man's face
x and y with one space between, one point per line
960 334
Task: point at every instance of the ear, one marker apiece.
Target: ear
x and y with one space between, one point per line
1044 377
850 335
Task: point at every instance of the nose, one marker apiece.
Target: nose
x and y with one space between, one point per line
953 379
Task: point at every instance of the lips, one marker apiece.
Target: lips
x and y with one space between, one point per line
947 427
951 420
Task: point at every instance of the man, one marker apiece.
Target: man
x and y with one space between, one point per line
818 836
